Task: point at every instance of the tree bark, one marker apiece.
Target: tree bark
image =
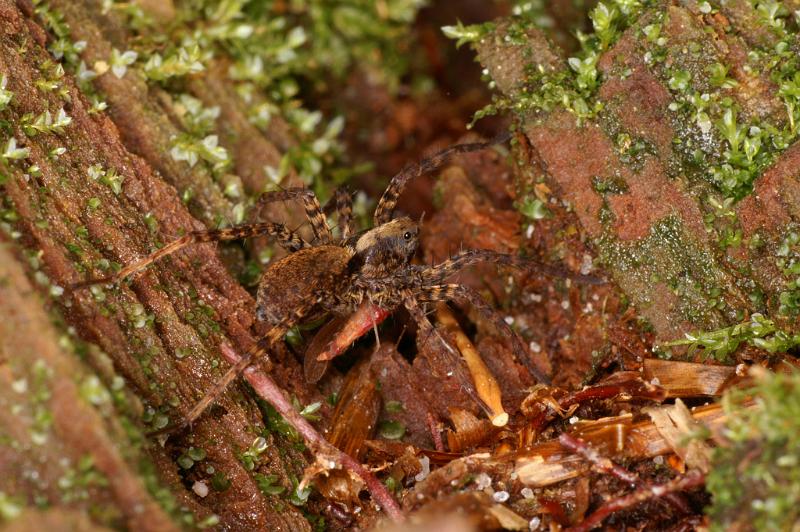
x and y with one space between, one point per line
160 333
658 233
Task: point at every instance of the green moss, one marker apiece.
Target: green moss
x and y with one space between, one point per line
274 50
755 476
543 89
393 407
251 456
13 153
109 178
45 122
467 34
670 257
609 185
278 54
391 430
220 482
10 507
758 331
298 496
268 484
533 208
788 260
39 397
162 494
62 47
5 95
733 151
633 150
94 392
714 141
76 483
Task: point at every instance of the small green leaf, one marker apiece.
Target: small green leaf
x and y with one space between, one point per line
266 483
534 208
197 454
391 430
466 34
220 482
394 406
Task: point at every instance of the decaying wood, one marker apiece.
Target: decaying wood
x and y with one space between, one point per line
682 432
573 154
357 407
608 467
158 337
545 463
692 479
51 424
688 379
162 330
469 431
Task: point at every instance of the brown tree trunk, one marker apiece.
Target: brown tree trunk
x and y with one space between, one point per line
69 427
657 229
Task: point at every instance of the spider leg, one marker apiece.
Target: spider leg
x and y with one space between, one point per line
274 335
440 272
341 203
424 325
285 237
426 328
387 203
463 294
314 213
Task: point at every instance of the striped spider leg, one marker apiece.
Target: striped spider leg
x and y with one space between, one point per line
285 237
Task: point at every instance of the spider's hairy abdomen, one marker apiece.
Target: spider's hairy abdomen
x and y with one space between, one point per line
299 277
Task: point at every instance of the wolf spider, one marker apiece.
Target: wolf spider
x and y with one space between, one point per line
336 275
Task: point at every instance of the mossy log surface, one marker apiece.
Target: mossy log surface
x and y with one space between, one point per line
68 440
650 213
81 371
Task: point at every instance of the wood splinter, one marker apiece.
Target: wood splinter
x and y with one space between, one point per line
485 384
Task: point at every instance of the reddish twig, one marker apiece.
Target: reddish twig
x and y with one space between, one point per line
436 434
607 466
626 385
266 388
692 479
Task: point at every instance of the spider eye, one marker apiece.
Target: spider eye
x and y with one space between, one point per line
407 235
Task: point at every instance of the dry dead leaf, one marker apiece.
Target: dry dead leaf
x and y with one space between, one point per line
469 430
677 426
688 379
507 518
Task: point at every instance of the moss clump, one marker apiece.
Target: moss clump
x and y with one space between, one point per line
755 478
280 55
545 89
758 331
718 138
788 260
669 255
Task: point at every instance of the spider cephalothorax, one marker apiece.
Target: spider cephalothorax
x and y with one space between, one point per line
336 275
